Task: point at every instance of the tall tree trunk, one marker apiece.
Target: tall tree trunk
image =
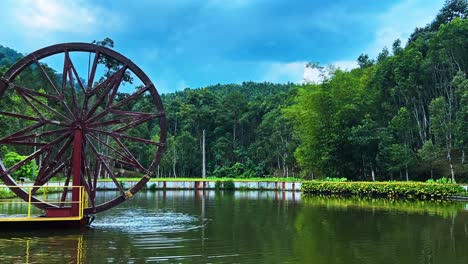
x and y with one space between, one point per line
203 156
406 171
452 170
373 173
174 163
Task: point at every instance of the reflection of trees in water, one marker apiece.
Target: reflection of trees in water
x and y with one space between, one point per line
356 230
40 248
229 228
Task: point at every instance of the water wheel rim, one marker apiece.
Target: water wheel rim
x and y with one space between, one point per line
30 59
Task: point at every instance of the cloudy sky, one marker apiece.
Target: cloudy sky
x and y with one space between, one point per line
189 43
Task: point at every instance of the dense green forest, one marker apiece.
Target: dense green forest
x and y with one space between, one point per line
400 116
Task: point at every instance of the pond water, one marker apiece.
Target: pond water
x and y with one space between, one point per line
253 227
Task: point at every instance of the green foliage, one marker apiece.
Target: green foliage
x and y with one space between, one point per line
8 56
402 114
328 179
442 208
29 170
442 180
153 187
385 189
229 185
225 185
246 133
218 185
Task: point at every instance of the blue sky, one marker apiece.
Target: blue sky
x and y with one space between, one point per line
188 43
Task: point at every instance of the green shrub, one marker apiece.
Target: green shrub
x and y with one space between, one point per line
442 180
122 183
152 187
218 185
419 190
28 170
225 185
335 179
229 185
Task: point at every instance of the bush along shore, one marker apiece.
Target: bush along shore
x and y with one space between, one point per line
404 190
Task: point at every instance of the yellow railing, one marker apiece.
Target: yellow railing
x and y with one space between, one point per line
45 191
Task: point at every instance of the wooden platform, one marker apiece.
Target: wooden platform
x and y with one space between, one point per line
41 223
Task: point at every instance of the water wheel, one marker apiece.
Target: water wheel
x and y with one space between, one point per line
96 115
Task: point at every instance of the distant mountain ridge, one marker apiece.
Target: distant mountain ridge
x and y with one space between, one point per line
8 56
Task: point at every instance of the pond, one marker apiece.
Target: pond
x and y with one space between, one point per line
253 227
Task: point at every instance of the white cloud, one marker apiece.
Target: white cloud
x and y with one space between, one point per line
285 72
400 20
345 65
312 75
298 72
46 16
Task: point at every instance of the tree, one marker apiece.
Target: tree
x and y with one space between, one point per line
29 170
461 84
365 137
443 128
364 61
429 153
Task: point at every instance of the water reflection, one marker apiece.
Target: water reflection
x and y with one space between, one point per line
253 227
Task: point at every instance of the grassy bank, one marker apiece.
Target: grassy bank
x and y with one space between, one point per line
419 190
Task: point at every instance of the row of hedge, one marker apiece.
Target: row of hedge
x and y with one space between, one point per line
420 190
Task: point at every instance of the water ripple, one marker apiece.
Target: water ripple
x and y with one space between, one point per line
142 221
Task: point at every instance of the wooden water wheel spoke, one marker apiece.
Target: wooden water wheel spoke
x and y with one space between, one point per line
93 70
42 134
128 155
60 95
72 71
135 162
79 127
30 92
47 77
65 189
137 122
43 105
113 84
117 135
120 103
67 77
51 163
27 143
112 122
20 116
23 131
28 102
90 185
34 155
41 181
114 150
107 168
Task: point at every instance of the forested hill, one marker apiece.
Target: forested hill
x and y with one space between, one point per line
401 116
246 132
8 56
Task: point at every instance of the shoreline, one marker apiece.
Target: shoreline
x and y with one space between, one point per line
398 190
